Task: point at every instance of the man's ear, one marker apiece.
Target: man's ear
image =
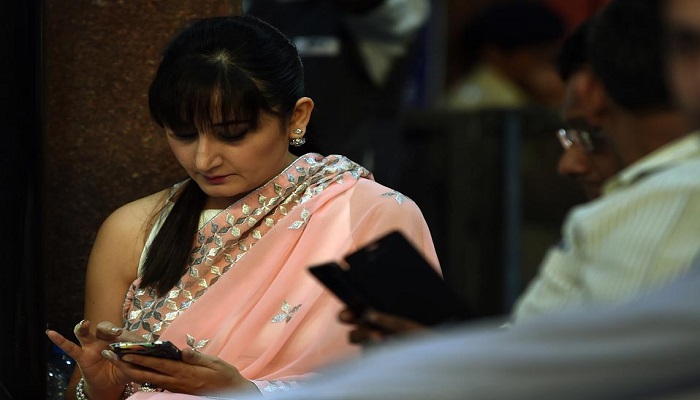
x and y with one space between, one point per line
300 117
594 98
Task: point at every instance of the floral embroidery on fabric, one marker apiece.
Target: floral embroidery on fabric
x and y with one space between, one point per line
305 214
194 344
225 239
399 197
287 313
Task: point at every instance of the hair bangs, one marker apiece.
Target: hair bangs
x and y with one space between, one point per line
202 94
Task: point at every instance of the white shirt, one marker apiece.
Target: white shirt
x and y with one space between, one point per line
641 233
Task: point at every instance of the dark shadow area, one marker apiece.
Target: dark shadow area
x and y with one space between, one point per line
24 347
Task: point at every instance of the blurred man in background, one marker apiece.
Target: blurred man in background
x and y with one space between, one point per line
642 232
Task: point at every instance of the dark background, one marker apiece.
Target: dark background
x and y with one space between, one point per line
23 350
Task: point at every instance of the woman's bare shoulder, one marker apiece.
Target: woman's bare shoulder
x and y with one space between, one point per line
137 216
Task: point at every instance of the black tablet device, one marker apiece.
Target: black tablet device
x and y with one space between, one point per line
390 275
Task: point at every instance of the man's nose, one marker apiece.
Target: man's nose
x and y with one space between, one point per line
574 161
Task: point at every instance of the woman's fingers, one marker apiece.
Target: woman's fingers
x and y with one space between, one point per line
108 331
82 329
70 348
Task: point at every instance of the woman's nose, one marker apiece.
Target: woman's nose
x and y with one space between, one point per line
208 155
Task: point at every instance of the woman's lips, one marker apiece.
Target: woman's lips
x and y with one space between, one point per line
214 180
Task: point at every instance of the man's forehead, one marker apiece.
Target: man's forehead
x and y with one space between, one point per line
575 89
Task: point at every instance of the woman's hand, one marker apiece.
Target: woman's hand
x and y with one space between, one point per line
197 373
100 375
374 326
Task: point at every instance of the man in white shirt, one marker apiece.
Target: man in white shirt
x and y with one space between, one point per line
643 231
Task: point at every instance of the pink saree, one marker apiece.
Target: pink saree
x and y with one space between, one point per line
247 296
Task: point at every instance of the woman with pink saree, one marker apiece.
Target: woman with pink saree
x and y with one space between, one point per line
218 264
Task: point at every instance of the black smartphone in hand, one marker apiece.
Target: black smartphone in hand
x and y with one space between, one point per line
391 276
159 348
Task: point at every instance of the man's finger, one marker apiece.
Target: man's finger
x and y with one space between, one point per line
347 316
391 323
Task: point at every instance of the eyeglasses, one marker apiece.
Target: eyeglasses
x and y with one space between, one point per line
587 140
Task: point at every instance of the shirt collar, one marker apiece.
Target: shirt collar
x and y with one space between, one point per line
677 151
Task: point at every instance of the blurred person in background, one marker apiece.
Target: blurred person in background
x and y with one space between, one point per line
512 45
359 56
642 231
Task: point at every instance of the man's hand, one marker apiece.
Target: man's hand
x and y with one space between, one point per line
374 326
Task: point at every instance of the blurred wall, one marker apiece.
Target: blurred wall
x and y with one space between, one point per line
101 150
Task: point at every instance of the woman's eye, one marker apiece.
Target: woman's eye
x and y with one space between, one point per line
232 136
183 135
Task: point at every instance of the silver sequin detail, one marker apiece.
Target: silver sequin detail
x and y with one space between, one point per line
195 344
304 219
399 197
287 313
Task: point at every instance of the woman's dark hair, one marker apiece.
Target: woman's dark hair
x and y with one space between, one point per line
231 68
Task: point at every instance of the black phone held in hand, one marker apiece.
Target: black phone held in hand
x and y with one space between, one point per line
391 276
159 348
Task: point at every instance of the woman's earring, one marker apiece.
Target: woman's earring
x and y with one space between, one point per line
298 141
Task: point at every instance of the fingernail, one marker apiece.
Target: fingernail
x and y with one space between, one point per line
115 330
107 354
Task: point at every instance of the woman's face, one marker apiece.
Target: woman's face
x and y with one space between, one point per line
230 159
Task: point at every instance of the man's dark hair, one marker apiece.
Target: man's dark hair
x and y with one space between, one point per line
626 52
573 55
